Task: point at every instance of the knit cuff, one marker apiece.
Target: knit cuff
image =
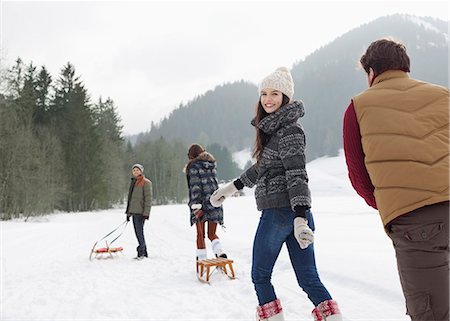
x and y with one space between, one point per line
300 211
238 184
269 309
325 309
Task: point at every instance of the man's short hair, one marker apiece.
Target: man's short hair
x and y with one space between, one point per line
385 54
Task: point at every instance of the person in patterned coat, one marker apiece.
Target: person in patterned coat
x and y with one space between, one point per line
201 177
283 196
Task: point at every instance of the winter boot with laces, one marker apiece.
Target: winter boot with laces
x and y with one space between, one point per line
327 311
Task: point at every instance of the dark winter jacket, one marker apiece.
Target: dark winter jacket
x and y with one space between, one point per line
139 196
280 175
202 182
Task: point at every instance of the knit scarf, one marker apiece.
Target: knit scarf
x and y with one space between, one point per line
140 181
285 115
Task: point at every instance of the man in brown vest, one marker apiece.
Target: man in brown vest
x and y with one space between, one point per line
396 142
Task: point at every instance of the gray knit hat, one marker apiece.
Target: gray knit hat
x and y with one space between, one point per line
138 166
280 80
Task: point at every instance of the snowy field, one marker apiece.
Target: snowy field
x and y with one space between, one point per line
46 273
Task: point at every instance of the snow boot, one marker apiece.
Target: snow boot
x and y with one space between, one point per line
217 248
271 311
142 251
201 254
327 311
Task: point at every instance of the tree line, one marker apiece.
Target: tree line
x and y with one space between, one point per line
59 150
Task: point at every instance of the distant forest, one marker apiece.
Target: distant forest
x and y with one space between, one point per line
61 151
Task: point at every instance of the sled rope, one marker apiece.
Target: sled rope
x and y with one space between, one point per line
108 248
125 222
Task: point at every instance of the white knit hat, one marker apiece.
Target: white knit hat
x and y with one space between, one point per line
281 80
138 166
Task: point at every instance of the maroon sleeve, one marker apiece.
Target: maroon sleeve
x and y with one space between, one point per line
354 157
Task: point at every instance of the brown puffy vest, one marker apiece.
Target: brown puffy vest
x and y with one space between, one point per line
405 138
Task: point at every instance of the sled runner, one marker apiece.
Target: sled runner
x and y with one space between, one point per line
108 250
205 268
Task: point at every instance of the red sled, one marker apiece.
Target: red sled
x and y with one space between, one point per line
102 251
108 251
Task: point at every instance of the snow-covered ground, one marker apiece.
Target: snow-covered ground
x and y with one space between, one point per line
46 273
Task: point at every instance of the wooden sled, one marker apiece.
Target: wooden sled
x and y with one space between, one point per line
108 250
101 252
205 268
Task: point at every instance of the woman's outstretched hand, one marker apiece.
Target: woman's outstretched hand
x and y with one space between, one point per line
221 193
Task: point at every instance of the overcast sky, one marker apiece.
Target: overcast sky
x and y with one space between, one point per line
151 56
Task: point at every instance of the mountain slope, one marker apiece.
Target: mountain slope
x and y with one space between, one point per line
328 78
325 80
219 116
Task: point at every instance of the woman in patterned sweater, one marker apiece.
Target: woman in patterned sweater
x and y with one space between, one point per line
283 196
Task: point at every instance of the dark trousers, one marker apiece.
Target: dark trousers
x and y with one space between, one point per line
421 242
138 222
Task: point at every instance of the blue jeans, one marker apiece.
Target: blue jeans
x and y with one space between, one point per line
138 222
276 227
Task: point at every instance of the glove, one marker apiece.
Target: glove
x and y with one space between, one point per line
146 217
196 207
197 210
221 193
302 232
128 217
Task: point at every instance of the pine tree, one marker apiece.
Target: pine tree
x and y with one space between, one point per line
107 124
42 88
74 124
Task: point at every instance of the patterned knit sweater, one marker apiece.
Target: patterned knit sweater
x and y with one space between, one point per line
280 175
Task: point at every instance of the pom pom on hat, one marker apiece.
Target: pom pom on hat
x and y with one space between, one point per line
280 80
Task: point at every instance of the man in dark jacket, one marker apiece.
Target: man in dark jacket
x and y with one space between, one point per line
139 205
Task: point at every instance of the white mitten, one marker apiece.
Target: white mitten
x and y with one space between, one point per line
221 193
302 232
196 207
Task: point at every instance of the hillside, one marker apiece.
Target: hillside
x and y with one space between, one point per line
325 80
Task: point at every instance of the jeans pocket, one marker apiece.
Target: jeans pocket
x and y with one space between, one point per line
418 307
